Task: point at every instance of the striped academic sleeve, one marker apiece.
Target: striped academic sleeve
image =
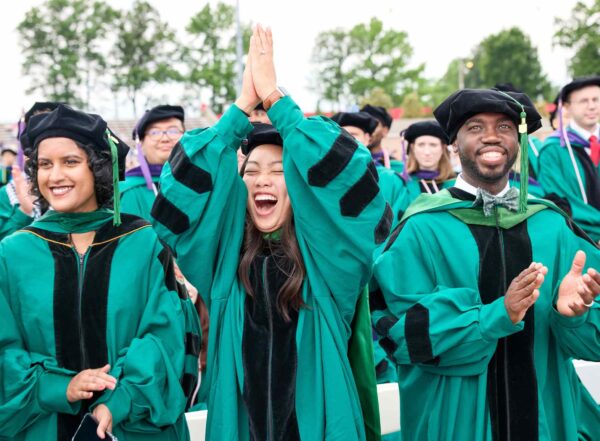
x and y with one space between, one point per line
200 209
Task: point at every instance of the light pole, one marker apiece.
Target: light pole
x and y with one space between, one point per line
239 48
464 66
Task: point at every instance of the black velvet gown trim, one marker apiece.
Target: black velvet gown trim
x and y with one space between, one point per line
269 356
511 377
334 162
592 180
80 319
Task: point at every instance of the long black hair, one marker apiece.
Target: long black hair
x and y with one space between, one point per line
288 256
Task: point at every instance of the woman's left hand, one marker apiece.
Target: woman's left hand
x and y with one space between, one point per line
263 68
104 417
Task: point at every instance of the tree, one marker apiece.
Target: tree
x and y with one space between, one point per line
412 106
331 50
377 97
146 51
510 57
61 42
351 63
211 57
581 33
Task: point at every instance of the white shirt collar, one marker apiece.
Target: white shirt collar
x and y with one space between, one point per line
463 185
585 134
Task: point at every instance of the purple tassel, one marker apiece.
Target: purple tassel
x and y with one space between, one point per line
142 159
144 166
404 174
563 142
20 153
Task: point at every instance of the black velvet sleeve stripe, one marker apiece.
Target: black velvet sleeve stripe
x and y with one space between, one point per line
381 368
416 330
384 324
192 344
332 164
359 195
166 261
169 215
394 236
188 384
382 230
376 301
389 346
373 169
187 173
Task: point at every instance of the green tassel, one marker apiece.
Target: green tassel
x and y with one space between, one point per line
115 169
524 148
524 167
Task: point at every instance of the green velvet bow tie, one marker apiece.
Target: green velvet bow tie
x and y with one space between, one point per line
510 200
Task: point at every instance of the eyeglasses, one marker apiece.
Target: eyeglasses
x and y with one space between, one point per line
172 134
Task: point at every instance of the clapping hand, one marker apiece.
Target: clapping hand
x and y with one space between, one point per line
578 290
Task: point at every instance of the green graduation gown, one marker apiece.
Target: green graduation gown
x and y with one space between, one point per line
136 197
557 175
200 213
466 372
11 217
62 313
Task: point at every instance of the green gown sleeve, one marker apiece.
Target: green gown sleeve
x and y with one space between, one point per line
201 205
556 175
339 213
578 336
11 216
393 190
149 395
446 331
31 384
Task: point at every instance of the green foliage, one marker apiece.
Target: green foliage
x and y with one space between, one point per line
331 50
377 97
508 56
438 90
351 63
211 57
581 33
145 51
61 42
412 106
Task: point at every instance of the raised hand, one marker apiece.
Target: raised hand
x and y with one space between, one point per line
577 291
248 98
263 68
524 291
85 383
22 187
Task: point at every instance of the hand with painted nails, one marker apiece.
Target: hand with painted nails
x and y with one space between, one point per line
578 290
83 385
524 291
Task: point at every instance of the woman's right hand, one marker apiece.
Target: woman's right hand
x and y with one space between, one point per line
22 188
248 98
83 385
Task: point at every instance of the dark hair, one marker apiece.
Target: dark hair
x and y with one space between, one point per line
99 162
286 253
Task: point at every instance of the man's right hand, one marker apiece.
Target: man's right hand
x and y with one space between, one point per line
524 291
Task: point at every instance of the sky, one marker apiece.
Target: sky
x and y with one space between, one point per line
439 31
